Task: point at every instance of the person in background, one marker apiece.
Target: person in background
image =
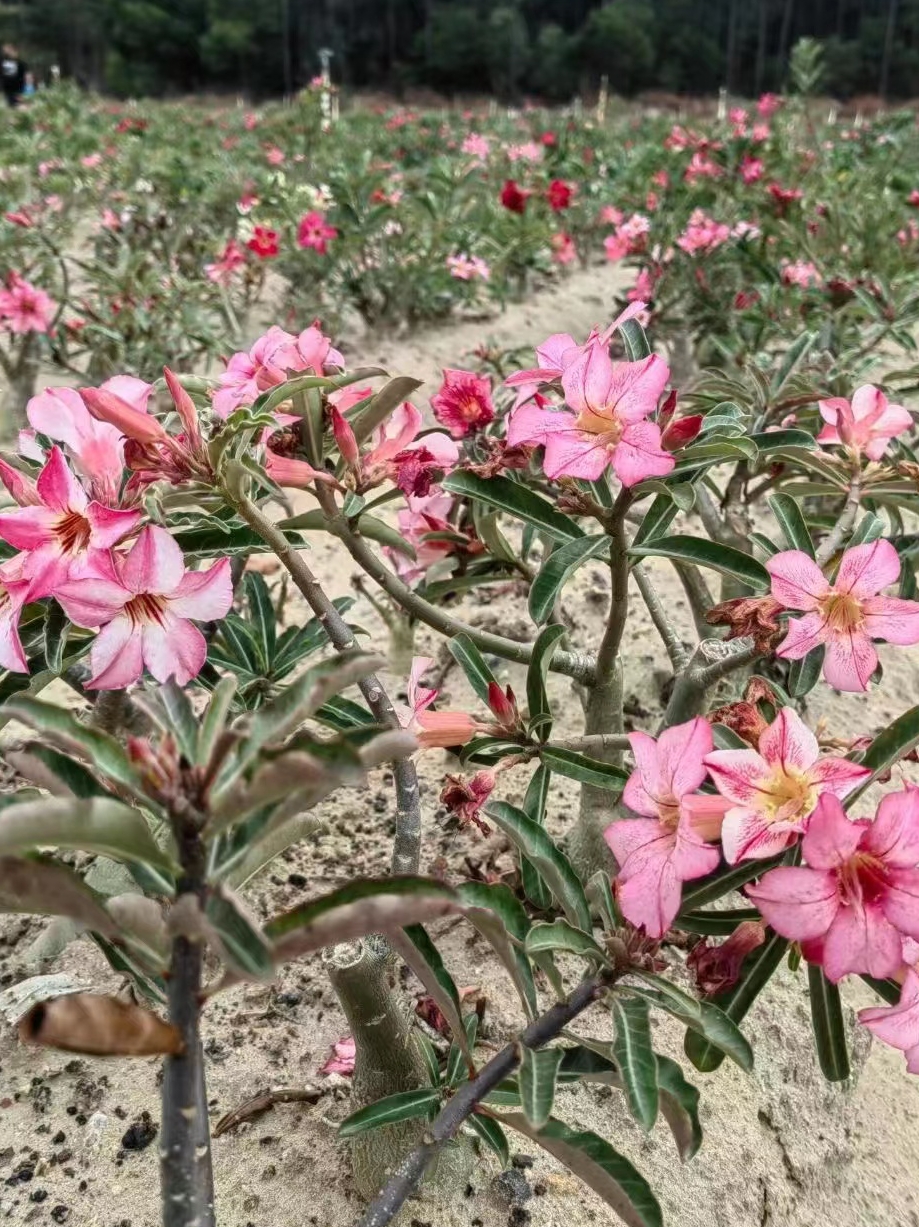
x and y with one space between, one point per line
12 74
28 90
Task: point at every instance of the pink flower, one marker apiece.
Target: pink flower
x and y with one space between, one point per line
12 598
751 169
224 269
667 846
275 156
465 798
62 536
19 485
143 602
91 161
268 363
866 425
24 307
702 234
468 268
898 1025
342 1059
122 402
477 146
802 273
95 447
563 248
463 402
845 615
858 895
774 790
433 728
611 402
768 105
315 232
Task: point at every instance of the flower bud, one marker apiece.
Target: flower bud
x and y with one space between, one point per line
344 437
106 407
503 706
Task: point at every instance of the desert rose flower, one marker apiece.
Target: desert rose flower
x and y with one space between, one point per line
858 895
775 789
514 197
667 845
143 603
315 233
222 271
717 968
845 615
24 307
559 195
344 1052
268 362
12 599
611 401
63 535
95 447
866 425
898 1025
396 454
463 402
433 728
264 243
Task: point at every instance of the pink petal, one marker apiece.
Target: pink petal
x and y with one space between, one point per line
894 834
629 840
692 856
575 453
900 901
738 774
108 526
797 581
57 486
651 900
643 788
850 661
419 697
892 619
204 595
797 902
12 656
173 648
746 835
396 434
135 392
861 941
154 563
92 602
555 353
639 455
832 838
802 636
897 1025
29 527
586 382
531 424
680 751
789 741
830 409
837 775
116 656
636 387
866 569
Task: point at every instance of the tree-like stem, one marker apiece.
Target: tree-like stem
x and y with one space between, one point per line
712 660
843 525
407 845
404 1180
591 743
665 628
699 597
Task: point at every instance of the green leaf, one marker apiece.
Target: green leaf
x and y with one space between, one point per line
97 824
657 519
498 914
491 1133
243 947
774 440
169 708
538 1072
517 500
635 1057
540 710
585 770
602 1168
636 342
868 529
791 359
214 721
804 674
262 616
407 1105
829 1027
893 744
46 888
73 775
560 935
759 968
416 948
371 527
715 924
723 882
679 1105
716 1027
472 663
534 806
56 628
722 558
557 570
792 523
887 990
550 861
455 1072
600 895
381 405
431 1057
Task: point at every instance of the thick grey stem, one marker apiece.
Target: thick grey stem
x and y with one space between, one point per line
843 525
699 597
713 660
665 628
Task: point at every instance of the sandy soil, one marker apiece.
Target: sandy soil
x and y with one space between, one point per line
782 1149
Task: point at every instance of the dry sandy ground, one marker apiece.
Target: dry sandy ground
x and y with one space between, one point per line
782 1149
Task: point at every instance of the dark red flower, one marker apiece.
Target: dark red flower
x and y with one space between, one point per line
514 197
559 195
264 242
417 470
750 615
465 798
717 968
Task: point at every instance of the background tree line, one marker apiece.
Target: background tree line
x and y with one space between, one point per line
547 48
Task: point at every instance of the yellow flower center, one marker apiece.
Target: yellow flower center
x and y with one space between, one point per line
842 612
599 424
668 810
787 795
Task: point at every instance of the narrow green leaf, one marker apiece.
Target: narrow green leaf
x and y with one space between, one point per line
415 946
540 710
585 770
73 775
679 1105
36 887
491 1133
600 895
538 1072
382 404
708 1021
791 359
262 616
723 882
868 529
56 628
560 935
792 523
602 1168
804 674
431 1057
407 1105
214 720
549 860
887 990
635 1057
243 947
636 342
715 924
473 664
456 1068
657 519
557 570
97 824
517 500
829 1026
891 745
774 440
534 806
704 553
498 914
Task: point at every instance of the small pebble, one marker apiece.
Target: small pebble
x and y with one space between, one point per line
512 1186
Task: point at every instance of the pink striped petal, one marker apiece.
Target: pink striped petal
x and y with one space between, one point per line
12 656
850 661
892 619
802 636
575 454
789 741
651 900
419 697
861 941
587 381
639 455
394 435
894 834
116 656
28 528
900 901
92 602
832 838
108 526
746 836
57 487
204 595
135 392
629 837
636 387
897 1025
155 562
837 775
531 424
692 856
173 648
643 788
738 774
866 569
797 581
680 751
799 903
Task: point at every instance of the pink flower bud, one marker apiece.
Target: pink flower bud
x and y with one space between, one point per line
106 407
344 437
503 706
681 432
717 968
185 406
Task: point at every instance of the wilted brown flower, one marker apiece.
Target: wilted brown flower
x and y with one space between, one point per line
717 968
756 616
744 717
